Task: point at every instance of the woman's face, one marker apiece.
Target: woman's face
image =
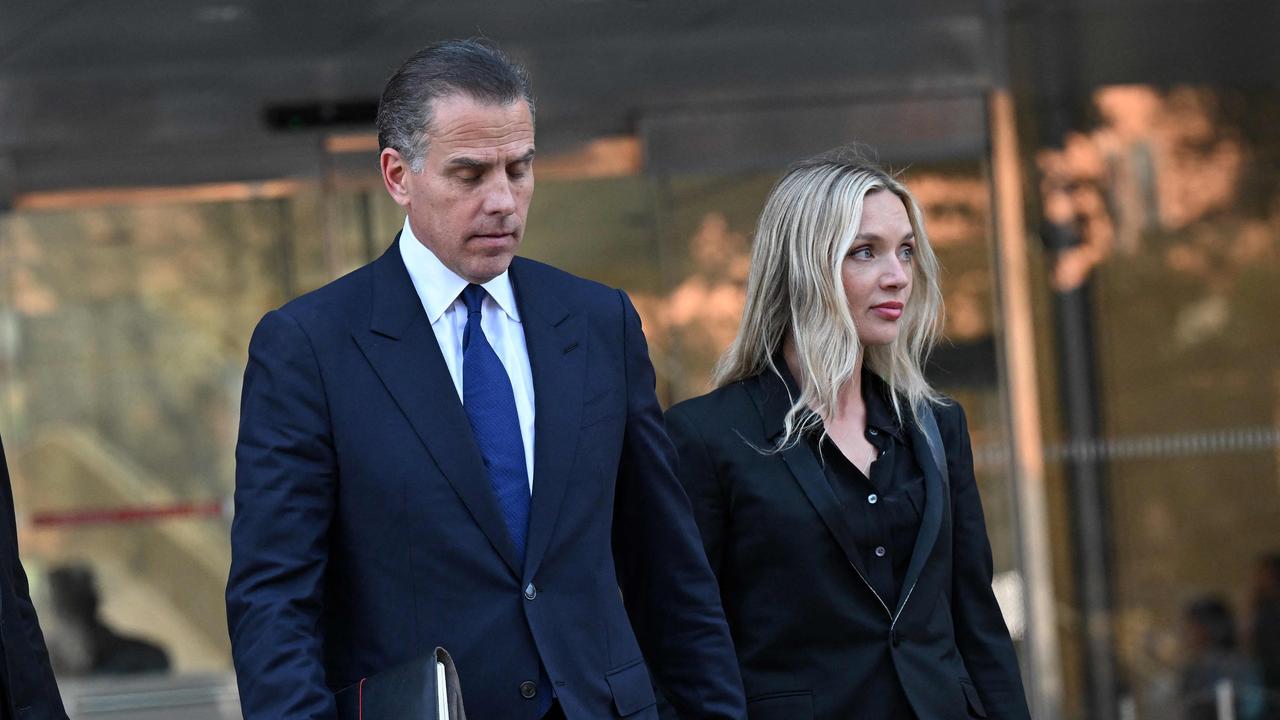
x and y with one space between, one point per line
877 271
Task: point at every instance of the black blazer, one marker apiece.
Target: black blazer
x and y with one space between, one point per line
26 680
366 531
812 637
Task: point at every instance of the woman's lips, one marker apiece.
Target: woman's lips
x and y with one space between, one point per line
888 311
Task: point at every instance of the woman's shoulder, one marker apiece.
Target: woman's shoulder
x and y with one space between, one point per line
948 410
953 425
727 400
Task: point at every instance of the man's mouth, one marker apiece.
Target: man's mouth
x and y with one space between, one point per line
502 236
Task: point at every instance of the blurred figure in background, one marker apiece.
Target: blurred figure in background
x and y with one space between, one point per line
1215 662
1266 631
80 643
26 680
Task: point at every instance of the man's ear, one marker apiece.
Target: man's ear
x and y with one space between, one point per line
395 171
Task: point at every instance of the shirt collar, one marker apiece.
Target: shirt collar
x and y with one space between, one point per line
438 286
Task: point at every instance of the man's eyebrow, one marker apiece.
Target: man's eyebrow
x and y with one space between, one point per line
477 164
468 162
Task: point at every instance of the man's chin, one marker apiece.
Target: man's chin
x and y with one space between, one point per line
482 270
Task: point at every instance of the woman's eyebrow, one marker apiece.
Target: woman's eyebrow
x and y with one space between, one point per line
873 236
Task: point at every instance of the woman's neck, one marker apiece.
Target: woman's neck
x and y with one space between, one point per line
849 404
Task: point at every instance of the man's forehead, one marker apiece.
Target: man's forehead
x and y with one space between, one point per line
462 124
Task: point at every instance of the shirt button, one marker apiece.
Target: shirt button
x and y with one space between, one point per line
880 551
873 498
530 592
872 431
528 689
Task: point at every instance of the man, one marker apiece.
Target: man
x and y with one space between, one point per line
27 688
454 446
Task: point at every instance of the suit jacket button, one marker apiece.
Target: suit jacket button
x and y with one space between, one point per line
895 639
530 592
528 689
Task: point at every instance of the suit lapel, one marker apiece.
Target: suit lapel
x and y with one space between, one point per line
772 400
402 348
556 341
936 497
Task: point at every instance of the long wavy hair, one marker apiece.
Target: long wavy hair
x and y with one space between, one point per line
805 231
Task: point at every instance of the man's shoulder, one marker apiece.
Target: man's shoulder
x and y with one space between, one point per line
541 272
335 301
576 292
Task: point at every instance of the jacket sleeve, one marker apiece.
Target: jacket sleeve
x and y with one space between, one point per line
36 677
697 472
981 634
670 592
284 502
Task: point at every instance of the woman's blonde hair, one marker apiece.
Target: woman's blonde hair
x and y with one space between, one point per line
805 231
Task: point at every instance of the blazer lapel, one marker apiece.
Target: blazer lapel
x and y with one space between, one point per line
556 341
936 496
772 400
403 351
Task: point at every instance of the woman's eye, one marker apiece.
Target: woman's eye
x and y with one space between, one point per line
907 252
862 253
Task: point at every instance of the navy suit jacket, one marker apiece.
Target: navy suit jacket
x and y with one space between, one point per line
27 688
366 532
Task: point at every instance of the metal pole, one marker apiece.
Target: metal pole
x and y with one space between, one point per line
1225 697
1128 708
1042 658
1055 86
1018 341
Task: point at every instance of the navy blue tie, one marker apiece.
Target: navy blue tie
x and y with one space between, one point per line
491 407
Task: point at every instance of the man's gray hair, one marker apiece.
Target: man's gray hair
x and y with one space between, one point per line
474 67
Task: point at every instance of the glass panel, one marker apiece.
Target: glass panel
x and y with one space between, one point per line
124 333
123 346
1178 199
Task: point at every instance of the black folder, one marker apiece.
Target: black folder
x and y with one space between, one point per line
422 689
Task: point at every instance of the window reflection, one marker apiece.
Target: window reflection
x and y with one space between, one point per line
1176 198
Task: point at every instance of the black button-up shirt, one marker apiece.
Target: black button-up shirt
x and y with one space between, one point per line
884 510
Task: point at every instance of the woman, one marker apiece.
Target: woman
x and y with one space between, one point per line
833 487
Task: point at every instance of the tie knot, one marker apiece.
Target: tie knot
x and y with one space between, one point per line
473 296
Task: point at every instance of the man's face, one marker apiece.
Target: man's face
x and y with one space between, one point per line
469 202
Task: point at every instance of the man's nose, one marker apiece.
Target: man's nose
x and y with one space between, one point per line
499 198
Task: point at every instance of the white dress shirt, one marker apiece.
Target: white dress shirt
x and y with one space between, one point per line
440 289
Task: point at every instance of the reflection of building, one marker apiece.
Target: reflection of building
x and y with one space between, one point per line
700 314
152 216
